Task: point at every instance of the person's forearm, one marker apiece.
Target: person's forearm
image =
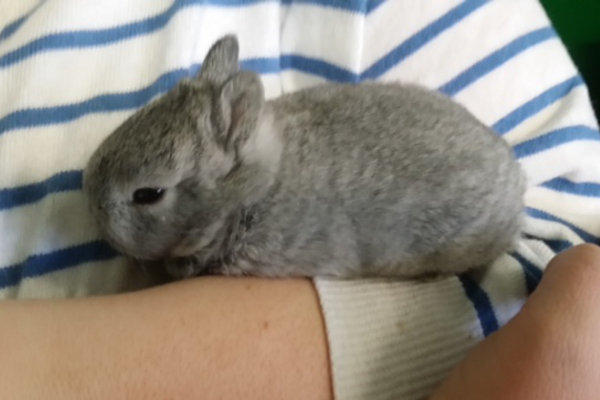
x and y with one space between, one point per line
200 339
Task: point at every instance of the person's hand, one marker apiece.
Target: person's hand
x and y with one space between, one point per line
550 350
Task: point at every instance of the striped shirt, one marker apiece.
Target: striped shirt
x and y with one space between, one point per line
70 72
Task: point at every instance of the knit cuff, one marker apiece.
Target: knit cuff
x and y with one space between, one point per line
395 339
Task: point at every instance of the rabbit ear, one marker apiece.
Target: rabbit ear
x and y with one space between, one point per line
240 104
221 62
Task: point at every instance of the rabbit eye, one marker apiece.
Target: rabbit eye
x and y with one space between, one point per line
148 195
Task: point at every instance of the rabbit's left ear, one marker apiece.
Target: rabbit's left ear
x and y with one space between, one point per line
221 62
238 109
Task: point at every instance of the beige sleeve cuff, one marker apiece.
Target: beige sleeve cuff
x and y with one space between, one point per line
395 339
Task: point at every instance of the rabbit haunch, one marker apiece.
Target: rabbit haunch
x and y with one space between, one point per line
337 180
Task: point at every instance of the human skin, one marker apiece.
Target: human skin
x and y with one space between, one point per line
246 338
550 350
209 338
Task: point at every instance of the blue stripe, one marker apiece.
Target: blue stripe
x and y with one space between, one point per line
318 67
131 100
20 195
14 26
111 102
533 274
536 104
357 6
588 189
481 303
373 4
421 38
122 101
495 59
41 264
554 139
100 37
557 245
539 214
102 103
261 65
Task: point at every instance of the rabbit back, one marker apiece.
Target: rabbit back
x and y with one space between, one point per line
382 180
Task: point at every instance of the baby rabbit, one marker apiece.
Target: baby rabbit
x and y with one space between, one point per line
337 180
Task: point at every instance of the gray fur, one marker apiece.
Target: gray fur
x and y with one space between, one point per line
336 180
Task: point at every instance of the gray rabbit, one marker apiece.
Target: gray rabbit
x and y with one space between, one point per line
337 180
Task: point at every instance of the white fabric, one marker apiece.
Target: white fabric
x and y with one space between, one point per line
70 72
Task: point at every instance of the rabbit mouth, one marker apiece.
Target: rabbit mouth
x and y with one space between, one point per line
217 240
197 241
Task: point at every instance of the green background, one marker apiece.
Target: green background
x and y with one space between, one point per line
578 24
